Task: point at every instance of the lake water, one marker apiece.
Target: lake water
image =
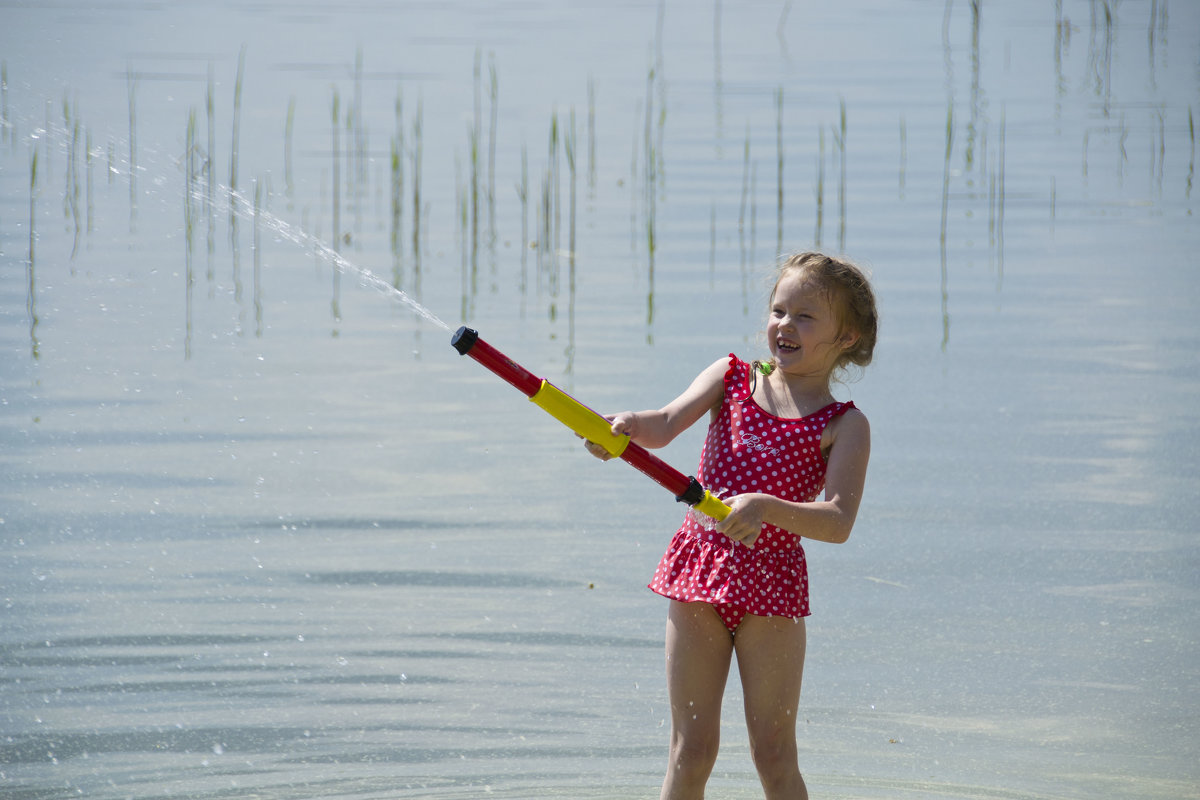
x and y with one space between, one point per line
265 534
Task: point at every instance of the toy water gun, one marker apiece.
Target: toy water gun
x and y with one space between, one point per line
588 424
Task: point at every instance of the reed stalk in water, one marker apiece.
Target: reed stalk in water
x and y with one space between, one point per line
237 125
945 213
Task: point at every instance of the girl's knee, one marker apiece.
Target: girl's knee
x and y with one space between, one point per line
694 751
775 754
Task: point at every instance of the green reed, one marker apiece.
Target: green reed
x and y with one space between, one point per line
417 154
1192 158
71 191
397 183
945 213
237 125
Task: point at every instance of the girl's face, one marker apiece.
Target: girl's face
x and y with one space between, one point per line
802 329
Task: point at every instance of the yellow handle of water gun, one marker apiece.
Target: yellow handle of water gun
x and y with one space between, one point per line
579 418
713 507
595 428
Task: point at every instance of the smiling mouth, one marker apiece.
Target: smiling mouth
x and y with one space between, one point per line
786 347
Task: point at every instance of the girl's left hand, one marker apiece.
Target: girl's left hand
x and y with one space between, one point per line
745 520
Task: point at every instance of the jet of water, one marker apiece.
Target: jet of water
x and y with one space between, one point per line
244 207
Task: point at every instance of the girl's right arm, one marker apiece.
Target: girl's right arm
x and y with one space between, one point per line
652 429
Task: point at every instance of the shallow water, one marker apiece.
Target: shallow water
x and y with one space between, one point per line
266 535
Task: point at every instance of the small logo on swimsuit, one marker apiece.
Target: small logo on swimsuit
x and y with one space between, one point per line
755 443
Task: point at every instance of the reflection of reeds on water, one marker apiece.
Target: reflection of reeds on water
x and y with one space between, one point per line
131 90
31 273
997 222
336 160
288 184
6 126
1192 157
256 289
189 219
945 212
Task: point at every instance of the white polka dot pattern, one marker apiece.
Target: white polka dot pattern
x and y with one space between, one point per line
749 450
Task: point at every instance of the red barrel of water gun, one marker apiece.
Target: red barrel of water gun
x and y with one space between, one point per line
587 423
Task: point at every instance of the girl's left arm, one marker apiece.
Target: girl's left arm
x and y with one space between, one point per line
827 520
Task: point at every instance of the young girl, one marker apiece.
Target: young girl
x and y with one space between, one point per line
775 439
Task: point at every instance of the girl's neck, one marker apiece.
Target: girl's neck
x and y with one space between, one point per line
792 396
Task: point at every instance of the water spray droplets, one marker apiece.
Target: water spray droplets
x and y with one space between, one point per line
286 231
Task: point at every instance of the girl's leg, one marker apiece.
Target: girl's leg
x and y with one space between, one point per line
770 653
699 650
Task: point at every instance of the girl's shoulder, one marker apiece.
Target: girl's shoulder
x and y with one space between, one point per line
850 426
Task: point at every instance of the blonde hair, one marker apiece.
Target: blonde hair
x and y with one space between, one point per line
851 296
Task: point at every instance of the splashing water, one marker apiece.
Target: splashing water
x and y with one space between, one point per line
244 208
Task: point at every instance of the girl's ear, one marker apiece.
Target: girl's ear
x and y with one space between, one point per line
848 340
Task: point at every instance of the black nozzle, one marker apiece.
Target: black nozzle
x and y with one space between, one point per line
464 339
693 494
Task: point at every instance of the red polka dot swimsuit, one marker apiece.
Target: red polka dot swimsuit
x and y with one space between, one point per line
749 450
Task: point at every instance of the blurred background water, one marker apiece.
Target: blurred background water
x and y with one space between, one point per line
266 535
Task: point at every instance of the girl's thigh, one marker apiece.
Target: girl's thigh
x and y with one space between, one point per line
770 653
699 652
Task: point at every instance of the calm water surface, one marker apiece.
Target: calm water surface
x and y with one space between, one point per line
264 534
